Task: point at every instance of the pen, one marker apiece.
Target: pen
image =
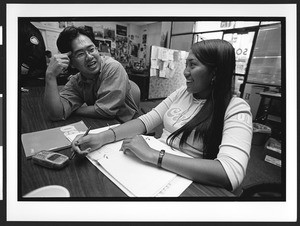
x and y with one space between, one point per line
86 133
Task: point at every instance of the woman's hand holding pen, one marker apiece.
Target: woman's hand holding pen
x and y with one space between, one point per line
83 145
138 146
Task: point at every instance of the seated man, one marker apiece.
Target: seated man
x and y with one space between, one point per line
101 83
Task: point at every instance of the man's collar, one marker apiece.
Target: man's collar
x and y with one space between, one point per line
83 79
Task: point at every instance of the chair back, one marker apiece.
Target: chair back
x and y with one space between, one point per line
264 190
136 93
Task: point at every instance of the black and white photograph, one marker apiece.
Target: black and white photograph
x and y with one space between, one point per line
195 122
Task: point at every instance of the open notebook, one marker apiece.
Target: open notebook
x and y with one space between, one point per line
51 139
133 176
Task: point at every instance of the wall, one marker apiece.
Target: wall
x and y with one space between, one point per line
166 34
156 34
153 32
135 44
51 30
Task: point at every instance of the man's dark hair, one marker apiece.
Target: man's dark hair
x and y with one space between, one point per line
66 37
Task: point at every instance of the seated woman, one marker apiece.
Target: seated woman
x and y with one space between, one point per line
202 119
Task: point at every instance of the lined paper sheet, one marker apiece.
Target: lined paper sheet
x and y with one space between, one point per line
140 178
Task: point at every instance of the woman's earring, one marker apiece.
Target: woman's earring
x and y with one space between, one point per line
212 82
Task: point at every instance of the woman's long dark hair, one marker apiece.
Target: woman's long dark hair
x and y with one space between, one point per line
208 122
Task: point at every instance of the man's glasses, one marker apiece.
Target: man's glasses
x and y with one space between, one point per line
82 53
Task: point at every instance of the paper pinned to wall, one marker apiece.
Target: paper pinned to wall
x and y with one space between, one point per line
171 65
153 72
176 56
154 53
170 55
183 55
170 73
159 53
164 54
154 63
162 73
161 65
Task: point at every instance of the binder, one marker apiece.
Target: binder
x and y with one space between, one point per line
51 139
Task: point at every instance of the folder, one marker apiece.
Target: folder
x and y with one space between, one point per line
51 139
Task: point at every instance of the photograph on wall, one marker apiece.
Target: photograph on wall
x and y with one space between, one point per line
121 30
121 52
109 34
144 37
62 24
69 23
105 46
133 48
97 43
89 29
99 33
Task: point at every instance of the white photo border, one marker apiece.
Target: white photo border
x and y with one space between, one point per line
151 211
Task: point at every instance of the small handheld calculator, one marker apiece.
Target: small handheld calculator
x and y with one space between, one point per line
49 159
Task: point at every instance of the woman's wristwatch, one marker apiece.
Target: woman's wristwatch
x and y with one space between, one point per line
160 157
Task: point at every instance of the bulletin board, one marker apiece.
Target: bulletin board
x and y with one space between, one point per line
166 71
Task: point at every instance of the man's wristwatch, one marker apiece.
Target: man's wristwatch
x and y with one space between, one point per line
160 157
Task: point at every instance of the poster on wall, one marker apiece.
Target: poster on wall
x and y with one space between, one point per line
89 28
133 48
104 46
121 51
62 24
144 38
109 34
99 33
121 30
